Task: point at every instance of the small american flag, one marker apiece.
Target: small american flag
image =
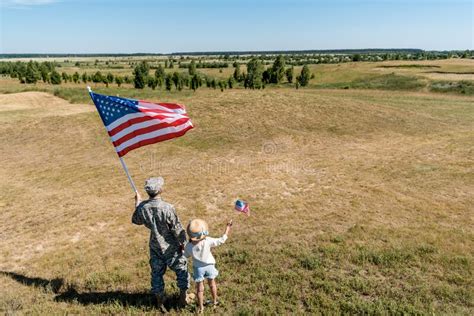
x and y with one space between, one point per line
132 124
242 206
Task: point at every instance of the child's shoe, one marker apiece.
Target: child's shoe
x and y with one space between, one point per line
211 303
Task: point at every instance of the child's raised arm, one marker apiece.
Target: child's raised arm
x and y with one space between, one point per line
214 242
228 227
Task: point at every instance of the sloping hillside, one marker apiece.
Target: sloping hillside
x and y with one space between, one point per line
362 201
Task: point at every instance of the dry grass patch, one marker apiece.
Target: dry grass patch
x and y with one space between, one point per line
362 202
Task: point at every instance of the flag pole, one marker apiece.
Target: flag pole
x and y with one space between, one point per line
128 174
121 159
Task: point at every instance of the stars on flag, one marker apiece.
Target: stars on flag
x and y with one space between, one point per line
123 120
112 108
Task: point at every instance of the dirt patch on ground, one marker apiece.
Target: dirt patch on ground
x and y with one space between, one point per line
42 104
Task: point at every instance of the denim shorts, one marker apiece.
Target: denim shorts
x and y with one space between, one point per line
204 272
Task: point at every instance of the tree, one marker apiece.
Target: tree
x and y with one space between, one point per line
97 77
65 76
175 78
356 57
140 75
222 85
305 76
118 80
32 73
208 81
127 79
230 82
192 68
110 77
278 70
44 71
267 76
246 83
254 74
75 77
160 75
178 80
55 77
106 81
152 82
20 71
237 73
168 82
84 77
195 82
289 74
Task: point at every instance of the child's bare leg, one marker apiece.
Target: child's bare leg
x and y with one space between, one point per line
213 286
200 295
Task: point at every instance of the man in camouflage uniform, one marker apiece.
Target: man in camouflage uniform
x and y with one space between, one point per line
167 238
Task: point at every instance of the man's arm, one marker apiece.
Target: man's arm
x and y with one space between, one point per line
176 227
138 199
187 251
137 217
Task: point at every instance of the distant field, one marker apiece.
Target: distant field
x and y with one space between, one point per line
327 73
362 197
450 76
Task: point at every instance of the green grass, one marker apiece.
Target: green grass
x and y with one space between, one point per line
452 72
362 206
405 77
379 82
459 87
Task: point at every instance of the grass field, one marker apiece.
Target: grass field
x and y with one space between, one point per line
362 198
453 76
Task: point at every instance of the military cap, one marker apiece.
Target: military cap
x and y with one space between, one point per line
153 185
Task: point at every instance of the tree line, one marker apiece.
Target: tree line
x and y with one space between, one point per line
33 72
256 77
327 57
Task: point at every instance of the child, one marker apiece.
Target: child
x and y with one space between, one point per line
199 247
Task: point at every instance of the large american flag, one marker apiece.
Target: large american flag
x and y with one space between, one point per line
135 123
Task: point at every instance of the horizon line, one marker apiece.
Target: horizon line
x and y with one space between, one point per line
241 52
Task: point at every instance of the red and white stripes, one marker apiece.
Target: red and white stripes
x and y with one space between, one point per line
154 123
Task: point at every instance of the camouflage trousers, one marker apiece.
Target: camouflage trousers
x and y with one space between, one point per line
176 262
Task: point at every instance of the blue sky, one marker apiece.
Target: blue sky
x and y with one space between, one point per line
163 26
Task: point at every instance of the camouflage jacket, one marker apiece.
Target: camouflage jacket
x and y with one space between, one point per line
166 232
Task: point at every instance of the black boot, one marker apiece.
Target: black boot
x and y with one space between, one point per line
159 302
183 298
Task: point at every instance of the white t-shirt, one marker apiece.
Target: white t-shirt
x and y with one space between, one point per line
201 252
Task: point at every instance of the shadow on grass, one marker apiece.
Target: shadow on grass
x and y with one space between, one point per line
54 284
70 294
123 298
